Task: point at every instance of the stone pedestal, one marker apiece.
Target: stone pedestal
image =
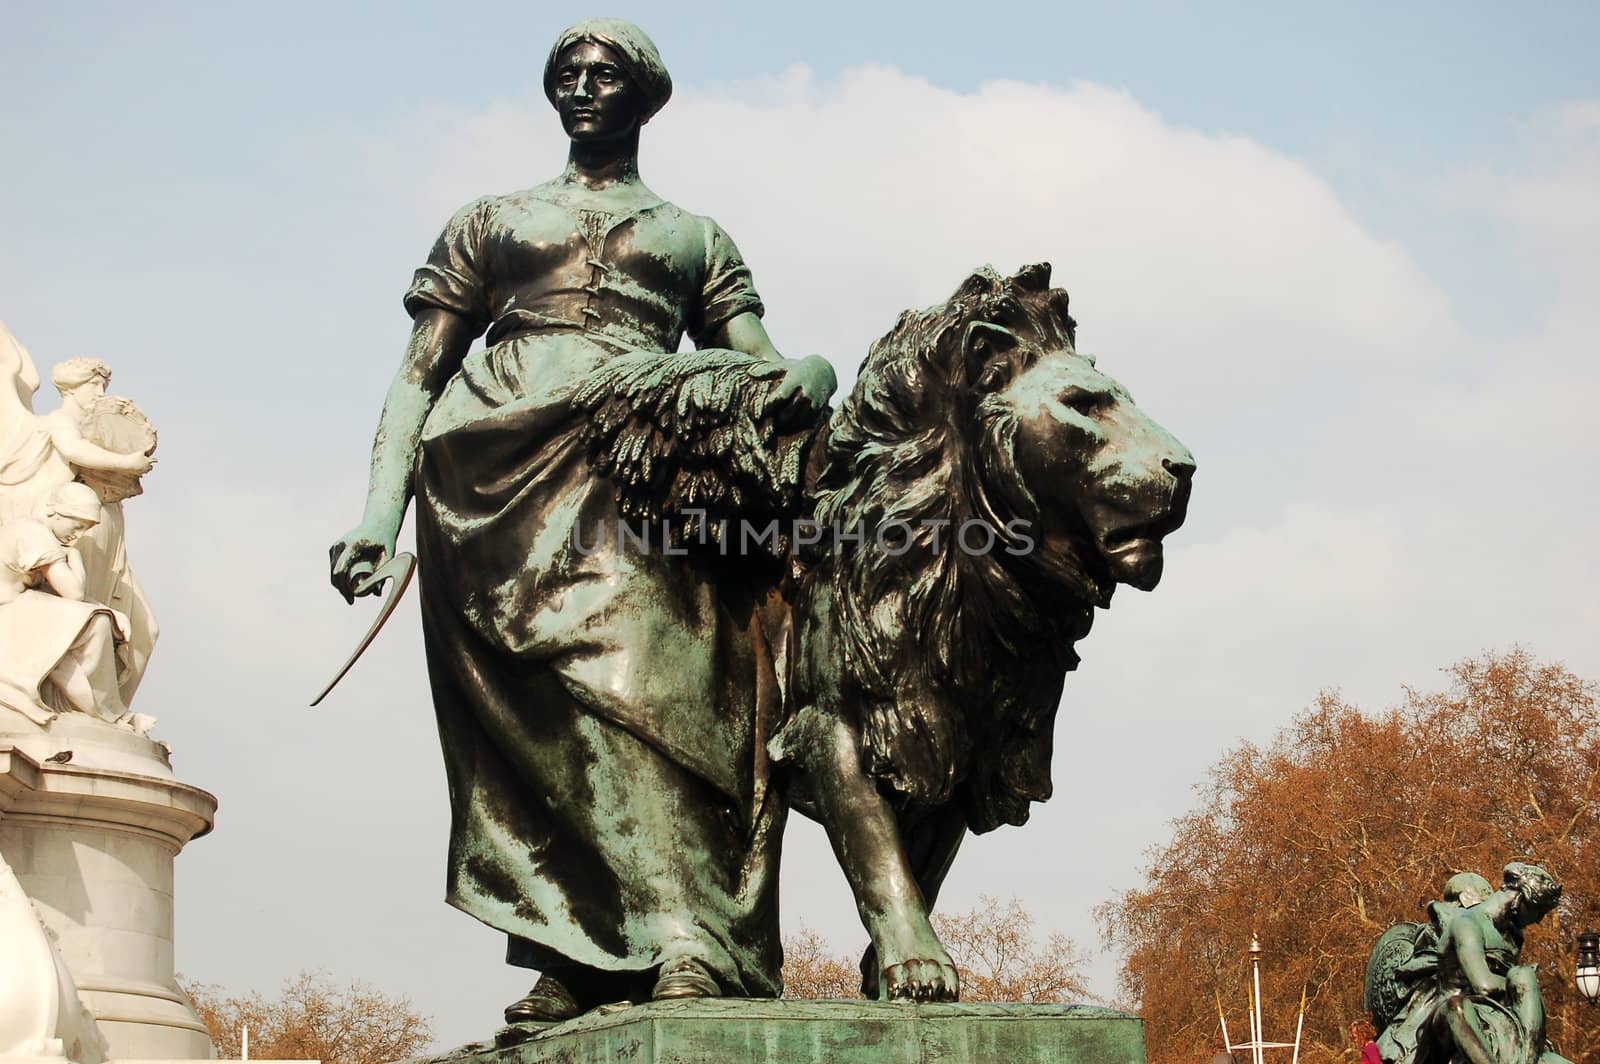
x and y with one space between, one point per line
823 1032
92 842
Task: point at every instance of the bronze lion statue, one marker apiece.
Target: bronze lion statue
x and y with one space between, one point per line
926 682
986 488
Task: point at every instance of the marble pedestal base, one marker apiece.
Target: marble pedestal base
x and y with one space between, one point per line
92 843
824 1032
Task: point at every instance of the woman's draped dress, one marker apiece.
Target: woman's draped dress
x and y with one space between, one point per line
600 709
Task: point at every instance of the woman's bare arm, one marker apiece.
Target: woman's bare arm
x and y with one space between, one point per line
1465 939
807 382
439 342
66 439
13 358
65 579
745 333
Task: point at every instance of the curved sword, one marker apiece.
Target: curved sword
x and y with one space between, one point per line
400 567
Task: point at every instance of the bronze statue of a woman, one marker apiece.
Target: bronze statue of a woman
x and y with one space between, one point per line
598 708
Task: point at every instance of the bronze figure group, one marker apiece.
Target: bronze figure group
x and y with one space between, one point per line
668 595
1452 990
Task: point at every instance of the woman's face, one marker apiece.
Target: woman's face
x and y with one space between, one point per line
68 530
595 98
88 391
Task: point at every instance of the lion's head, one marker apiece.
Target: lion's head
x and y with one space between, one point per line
980 414
1106 482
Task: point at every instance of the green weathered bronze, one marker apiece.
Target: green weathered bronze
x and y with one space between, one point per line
1451 991
798 1032
925 690
667 594
598 708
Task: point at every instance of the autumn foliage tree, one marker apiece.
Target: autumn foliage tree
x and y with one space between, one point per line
313 1018
811 969
994 946
1351 822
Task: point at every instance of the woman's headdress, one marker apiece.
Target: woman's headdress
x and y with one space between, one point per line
75 372
636 51
74 500
1539 889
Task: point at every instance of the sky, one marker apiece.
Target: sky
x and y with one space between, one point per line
1348 256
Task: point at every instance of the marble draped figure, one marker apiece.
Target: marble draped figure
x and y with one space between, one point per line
76 631
630 694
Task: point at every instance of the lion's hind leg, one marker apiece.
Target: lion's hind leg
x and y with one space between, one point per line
865 833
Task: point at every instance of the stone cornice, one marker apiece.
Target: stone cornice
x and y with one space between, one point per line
176 812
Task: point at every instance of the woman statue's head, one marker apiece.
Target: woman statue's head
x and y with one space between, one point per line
1538 890
71 510
77 373
605 79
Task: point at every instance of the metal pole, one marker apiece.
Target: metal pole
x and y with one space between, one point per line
244 1042
1251 1016
1299 1025
1255 975
1227 1043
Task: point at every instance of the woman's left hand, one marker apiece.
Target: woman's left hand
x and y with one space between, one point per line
805 387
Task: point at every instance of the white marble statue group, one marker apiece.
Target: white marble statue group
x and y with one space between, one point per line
75 629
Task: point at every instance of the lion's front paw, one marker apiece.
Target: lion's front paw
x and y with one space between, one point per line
923 979
913 965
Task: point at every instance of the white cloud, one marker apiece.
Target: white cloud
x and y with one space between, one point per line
855 198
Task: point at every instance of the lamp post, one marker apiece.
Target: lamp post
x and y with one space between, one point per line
1587 971
1258 1043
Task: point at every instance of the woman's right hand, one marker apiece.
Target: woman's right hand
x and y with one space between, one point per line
358 552
138 464
803 390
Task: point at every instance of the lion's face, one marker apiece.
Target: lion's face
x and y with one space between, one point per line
1108 480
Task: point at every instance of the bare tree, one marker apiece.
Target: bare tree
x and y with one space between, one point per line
994 948
999 959
812 970
312 1018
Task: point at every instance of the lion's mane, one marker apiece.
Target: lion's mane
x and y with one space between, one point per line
955 659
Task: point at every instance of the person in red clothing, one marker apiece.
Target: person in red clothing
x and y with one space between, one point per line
1365 1035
